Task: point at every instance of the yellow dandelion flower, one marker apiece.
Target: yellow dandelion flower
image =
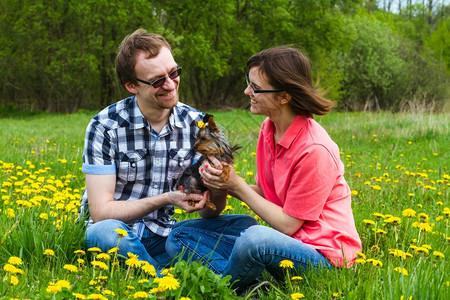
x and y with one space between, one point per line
13 280
96 297
286 264
418 250
49 252
44 216
99 264
103 256
113 250
63 284
78 296
70 268
438 254
12 269
360 261
133 262
423 217
401 270
14 260
185 298
378 215
121 232
148 269
140 295
360 254
393 220
375 262
178 211
94 249
409 212
354 193
380 231
79 252
368 222
168 283
250 173
296 296
108 292
297 278
53 288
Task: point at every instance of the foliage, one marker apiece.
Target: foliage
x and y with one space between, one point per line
397 166
59 56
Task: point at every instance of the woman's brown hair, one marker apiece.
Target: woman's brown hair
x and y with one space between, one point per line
289 70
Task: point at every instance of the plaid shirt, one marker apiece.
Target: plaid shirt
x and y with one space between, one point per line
120 141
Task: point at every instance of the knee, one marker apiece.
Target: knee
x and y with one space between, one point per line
254 238
103 235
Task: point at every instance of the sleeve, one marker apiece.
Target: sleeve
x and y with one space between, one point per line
311 182
98 153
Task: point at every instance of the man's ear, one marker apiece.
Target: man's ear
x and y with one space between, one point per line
131 87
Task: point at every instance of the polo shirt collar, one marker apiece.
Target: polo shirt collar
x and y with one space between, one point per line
293 131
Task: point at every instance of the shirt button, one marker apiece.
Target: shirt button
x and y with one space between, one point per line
133 165
180 164
155 186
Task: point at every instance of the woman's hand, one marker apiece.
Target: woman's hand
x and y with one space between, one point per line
211 170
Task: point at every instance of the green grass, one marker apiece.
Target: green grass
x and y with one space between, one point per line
393 162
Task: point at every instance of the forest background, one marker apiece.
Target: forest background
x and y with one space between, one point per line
59 55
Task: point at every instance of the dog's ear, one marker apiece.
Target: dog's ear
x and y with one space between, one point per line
212 125
206 118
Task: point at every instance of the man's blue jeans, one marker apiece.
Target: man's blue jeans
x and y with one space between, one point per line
210 236
261 247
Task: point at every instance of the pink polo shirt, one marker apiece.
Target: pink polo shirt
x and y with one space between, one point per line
304 174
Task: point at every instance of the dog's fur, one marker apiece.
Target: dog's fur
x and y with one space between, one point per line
210 142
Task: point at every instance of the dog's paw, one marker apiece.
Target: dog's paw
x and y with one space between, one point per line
225 172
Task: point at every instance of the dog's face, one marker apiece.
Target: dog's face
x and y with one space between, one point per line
210 140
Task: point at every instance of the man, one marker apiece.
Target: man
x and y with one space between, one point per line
135 150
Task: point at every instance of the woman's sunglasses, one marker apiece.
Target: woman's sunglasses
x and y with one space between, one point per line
160 81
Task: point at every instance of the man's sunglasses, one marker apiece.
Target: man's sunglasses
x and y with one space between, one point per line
259 91
160 81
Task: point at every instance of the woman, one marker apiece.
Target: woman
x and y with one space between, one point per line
300 188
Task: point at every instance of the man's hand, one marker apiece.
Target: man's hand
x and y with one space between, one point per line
185 201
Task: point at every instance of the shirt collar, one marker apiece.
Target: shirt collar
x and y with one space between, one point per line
293 131
137 120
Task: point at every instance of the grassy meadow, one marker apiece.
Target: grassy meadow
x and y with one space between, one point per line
397 166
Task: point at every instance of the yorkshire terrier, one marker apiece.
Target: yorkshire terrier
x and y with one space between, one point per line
210 142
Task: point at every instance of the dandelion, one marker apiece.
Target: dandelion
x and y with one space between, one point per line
53 288
113 250
360 261
360 254
148 268
409 213
167 283
49 252
368 222
296 296
423 217
14 260
99 264
297 278
13 280
70 268
185 298
401 270
419 250
393 220
286 264
121 232
103 256
63 284
380 231
354 193
12 269
94 249
78 296
140 295
79 252
96 297
438 254
375 262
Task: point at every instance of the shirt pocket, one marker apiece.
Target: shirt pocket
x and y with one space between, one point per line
132 165
179 160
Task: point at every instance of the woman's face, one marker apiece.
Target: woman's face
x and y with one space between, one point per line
265 102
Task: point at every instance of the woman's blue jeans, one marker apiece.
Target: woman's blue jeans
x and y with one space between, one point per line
210 236
261 247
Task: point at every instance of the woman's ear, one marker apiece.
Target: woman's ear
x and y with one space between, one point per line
285 98
131 87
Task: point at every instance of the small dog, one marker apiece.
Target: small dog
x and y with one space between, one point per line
210 142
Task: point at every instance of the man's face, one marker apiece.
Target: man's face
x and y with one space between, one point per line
150 69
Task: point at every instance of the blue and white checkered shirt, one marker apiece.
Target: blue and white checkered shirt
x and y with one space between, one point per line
120 141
